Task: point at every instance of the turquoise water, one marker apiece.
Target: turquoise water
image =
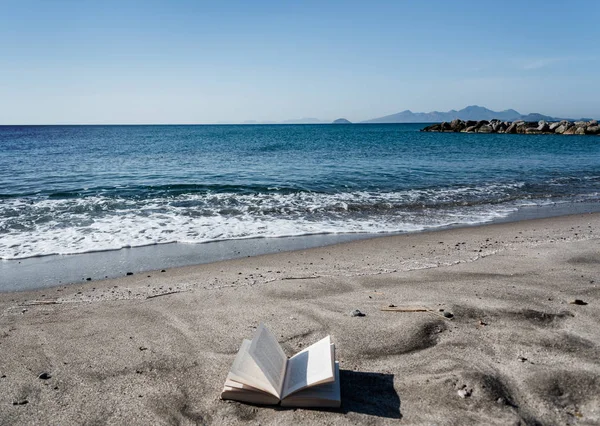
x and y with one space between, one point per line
76 189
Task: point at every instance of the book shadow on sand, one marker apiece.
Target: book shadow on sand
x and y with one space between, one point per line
369 393
372 394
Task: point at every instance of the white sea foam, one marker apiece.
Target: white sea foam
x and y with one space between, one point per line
77 225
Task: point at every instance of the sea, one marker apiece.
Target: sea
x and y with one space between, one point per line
72 190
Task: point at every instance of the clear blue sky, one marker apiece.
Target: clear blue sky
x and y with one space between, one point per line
230 61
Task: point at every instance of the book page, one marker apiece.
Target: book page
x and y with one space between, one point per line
312 366
268 355
244 370
323 395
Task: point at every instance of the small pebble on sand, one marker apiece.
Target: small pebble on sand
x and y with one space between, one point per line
465 393
45 376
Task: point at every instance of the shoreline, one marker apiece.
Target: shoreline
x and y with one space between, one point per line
156 347
41 272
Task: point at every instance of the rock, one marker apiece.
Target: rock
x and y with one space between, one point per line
432 128
522 127
163 270
482 123
357 313
448 314
560 129
457 125
570 130
45 376
532 131
592 130
522 359
543 126
512 128
465 393
578 302
519 126
88 279
129 273
553 126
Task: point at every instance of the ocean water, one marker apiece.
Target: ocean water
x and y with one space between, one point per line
78 189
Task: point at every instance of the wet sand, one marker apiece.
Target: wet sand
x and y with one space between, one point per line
154 348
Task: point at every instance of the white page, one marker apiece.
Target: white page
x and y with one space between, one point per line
268 355
312 366
323 395
245 370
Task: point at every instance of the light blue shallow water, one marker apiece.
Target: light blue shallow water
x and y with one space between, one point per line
76 189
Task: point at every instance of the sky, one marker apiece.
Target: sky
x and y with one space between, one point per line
178 61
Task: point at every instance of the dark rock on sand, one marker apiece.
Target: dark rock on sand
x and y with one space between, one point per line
45 376
357 313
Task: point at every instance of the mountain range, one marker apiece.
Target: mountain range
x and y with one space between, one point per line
473 112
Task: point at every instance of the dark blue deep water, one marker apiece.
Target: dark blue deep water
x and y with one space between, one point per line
74 189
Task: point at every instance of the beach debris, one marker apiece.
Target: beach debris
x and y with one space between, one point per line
20 402
482 323
45 376
441 313
357 313
143 348
163 270
395 308
391 305
40 302
129 273
578 302
88 279
522 358
164 294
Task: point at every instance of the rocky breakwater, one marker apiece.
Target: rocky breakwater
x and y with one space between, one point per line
542 127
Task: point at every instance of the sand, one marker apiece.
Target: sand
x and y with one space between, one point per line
154 348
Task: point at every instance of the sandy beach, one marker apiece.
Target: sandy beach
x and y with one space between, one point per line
502 341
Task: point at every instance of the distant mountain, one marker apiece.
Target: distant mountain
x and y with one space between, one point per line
473 112
341 121
303 121
537 117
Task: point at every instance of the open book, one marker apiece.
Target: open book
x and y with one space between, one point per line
262 374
